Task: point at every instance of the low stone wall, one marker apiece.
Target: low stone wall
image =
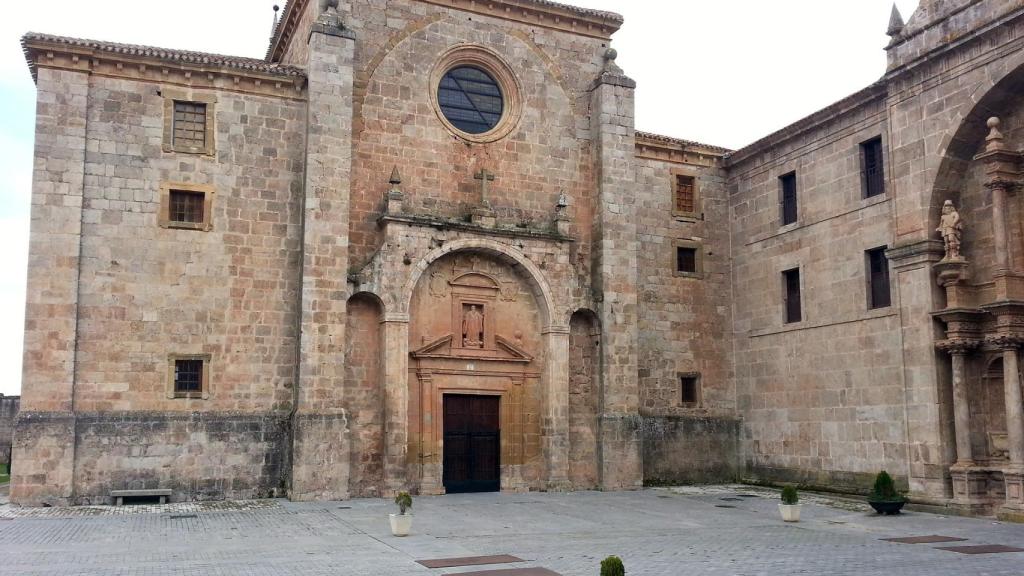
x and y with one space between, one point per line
8 412
690 450
199 456
820 480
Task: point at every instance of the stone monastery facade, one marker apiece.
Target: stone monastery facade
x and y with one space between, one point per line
421 246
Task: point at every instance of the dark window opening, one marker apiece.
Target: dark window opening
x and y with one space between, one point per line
689 389
791 282
789 206
879 295
190 124
470 99
686 260
188 376
686 200
186 207
873 168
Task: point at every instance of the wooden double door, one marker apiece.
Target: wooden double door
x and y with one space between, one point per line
472 444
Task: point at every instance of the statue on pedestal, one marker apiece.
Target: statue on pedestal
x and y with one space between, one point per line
951 229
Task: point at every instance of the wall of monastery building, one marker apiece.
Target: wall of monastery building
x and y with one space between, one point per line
822 398
147 293
8 412
684 322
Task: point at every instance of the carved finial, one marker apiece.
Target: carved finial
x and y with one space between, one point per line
329 13
609 61
273 26
394 196
563 201
995 137
896 23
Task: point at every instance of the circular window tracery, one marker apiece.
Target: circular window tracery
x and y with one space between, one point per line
471 99
475 94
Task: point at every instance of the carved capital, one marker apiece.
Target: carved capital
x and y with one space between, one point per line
1003 341
958 345
1002 183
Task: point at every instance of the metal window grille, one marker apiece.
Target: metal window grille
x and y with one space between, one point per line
470 99
190 124
188 376
686 259
791 279
878 279
874 172
685 199
789 206
186 207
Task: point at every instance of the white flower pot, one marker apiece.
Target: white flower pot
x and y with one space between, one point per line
790 512
401 524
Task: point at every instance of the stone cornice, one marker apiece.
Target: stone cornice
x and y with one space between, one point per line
440 223
676 151
163 66
917 252
543 13
958 345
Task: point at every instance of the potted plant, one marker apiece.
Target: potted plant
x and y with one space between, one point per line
790 506
612 566
401 523
884 498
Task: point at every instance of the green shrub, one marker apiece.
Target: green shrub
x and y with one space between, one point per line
885 489
789 495
404 501
612 566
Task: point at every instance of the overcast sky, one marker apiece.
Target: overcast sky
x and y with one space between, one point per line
725 72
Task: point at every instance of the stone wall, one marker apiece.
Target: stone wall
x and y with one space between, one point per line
8 412
690 449
684 321
824 394
198 455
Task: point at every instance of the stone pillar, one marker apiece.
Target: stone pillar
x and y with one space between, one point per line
615 275
1013 474
555 418
44 436
931 444
396 402
1001 245
320 453
961 408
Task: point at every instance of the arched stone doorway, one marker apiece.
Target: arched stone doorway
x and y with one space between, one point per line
476 373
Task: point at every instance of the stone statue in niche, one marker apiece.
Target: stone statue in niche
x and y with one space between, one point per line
472 327
951 228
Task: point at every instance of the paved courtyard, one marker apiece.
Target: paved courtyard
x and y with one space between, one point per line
724 530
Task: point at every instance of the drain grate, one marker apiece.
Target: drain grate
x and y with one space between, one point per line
723 506
183 516
983 549
934 539
731 499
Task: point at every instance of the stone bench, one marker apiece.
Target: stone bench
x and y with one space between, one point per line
120 495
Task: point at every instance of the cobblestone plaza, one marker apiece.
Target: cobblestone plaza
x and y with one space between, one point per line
723 530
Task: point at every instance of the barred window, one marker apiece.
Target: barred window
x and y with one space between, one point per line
188 376
189 124
873 168
686 200
186 207
689 389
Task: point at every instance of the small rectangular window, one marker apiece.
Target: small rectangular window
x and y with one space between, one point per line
189 125
879 295
689 389
188 376
686 198
791 285
873 171
186 207
787 184
686 260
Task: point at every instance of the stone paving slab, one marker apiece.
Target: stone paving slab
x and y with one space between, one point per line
656 532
